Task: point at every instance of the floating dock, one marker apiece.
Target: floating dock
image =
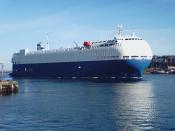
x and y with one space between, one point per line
8 87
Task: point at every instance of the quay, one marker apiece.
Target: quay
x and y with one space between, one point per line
8 87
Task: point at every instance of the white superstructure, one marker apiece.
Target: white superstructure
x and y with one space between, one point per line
121 47
124 56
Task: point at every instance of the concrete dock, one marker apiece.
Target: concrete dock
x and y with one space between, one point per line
8 87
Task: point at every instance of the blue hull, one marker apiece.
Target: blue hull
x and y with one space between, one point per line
103 69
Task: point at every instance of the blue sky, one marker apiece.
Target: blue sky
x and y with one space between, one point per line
24 23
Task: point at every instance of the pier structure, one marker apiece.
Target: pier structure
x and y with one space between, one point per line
8 87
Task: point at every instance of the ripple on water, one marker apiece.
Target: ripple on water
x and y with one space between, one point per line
51 104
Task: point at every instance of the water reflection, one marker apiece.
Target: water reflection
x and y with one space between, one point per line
134 105
82 105
25 86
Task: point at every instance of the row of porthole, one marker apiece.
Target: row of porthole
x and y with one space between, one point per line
124 57
133 39
99 57
135 57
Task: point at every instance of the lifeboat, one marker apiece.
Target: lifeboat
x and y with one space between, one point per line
87 44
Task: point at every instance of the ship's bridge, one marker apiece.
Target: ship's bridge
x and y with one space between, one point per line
132 37
129 37
120 35
132 46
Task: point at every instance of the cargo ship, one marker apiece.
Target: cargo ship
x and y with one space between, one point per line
121 57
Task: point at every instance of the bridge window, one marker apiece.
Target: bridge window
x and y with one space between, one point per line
143 57
134 57
106 45
125 57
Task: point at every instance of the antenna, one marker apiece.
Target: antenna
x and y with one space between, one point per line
120 30
47 39
133 34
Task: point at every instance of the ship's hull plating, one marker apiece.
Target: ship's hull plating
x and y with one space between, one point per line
102 69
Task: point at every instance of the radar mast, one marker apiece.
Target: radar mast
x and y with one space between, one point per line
47 44
120 30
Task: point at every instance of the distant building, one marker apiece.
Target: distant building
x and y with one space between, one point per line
2 68
163 61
